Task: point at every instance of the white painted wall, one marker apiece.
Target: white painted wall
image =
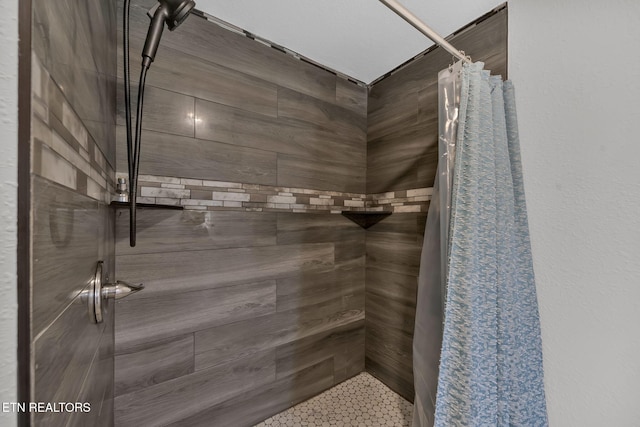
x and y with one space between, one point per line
8 205
576 67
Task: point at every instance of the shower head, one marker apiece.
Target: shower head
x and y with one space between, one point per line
176 11
173 12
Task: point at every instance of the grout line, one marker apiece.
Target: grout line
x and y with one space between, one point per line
195 117
433 47
193 334
230 27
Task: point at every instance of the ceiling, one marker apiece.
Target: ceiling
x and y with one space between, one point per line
360 38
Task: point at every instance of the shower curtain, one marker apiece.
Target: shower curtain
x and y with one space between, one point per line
433 260
491 358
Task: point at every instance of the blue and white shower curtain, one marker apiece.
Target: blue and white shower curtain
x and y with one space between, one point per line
491 357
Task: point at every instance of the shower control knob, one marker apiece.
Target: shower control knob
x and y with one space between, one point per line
96 293
120 289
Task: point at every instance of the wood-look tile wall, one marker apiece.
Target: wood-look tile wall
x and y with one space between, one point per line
402 141
220 106
393 262
402 131
237 305
245 313
72 174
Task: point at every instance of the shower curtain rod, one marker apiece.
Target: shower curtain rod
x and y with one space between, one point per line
412 19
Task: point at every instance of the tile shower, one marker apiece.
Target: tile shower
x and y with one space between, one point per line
259 294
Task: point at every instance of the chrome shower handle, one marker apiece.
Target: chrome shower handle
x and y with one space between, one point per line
120 289
96 292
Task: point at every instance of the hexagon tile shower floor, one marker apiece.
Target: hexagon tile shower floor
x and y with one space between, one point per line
359 401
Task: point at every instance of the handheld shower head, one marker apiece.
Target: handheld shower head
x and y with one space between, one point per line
173 12
177 11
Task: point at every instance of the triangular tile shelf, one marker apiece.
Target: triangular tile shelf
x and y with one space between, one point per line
125 205
366 219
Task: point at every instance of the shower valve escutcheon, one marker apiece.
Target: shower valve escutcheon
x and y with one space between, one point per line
97 293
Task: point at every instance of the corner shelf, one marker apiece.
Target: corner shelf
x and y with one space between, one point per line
122 205
366 219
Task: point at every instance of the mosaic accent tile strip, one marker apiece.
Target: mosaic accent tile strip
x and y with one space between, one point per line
63 149
414 200
198 194
359 401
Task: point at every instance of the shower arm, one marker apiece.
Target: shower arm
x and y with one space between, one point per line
419 25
